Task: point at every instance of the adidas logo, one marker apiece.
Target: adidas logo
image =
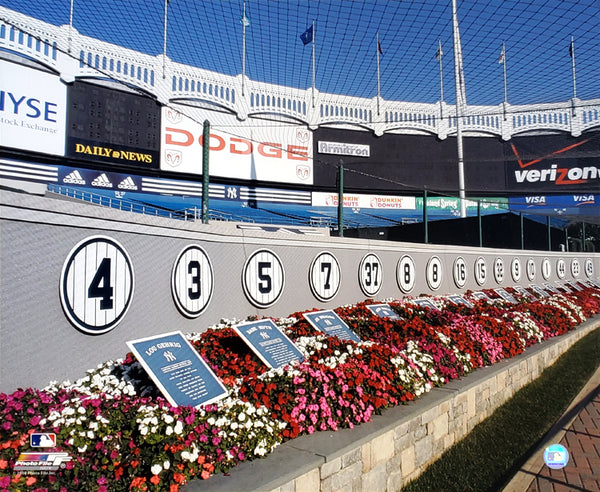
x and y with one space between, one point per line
127 184
74 177
102 182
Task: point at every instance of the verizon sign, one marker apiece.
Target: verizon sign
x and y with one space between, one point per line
339 148
251 150
557 164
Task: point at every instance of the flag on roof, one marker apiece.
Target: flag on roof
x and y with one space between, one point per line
307 36
571 48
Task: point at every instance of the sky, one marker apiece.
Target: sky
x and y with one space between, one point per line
208 34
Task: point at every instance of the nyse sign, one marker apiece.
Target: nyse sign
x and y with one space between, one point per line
32 109
248 151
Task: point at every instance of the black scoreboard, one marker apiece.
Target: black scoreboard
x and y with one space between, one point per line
112 126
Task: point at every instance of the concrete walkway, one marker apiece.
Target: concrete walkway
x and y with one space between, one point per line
578 430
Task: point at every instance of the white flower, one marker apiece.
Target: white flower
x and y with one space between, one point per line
156 469
167 464
179 427
169 430
82 449
168 418
90 434
242 417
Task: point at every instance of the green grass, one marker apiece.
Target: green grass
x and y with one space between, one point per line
488 457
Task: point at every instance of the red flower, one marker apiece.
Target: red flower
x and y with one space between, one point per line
138 482
179 478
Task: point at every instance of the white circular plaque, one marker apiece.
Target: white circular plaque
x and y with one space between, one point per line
263 278
325 276
96 284
434 273
480 271
370 274
192 281
406 274
515 269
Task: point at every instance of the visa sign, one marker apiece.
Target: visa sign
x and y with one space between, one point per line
249 150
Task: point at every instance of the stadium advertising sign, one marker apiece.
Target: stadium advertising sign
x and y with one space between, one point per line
443 204
321 199
553 163
415 161
32 109
112 126
554 201
259 149
339 148
98 179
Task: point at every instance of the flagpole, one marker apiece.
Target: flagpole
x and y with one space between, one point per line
70 24
460 102
504 62
165 40
244 22
313 63
378 79
572 52
440 54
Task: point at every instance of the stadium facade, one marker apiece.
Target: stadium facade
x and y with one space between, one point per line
72 104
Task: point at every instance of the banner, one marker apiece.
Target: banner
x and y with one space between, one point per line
539 164
112 126
553 164
406 163
320 199
452 205
32 109
554 201
252 150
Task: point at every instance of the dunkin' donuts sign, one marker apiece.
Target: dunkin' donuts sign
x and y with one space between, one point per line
250 150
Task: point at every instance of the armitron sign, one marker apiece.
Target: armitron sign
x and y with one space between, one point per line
339 148
258 150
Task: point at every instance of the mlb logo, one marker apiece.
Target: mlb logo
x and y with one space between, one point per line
42 440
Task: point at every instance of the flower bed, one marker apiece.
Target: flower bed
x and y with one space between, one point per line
123 435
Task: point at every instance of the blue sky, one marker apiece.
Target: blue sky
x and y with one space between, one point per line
208 34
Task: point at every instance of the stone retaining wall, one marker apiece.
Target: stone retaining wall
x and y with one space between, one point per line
396 447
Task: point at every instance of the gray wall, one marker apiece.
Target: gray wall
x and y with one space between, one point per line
38 343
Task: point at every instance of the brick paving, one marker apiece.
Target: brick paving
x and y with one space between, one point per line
579 431
582 440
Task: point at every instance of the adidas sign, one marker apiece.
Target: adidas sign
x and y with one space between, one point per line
102 182
127 184
74 177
